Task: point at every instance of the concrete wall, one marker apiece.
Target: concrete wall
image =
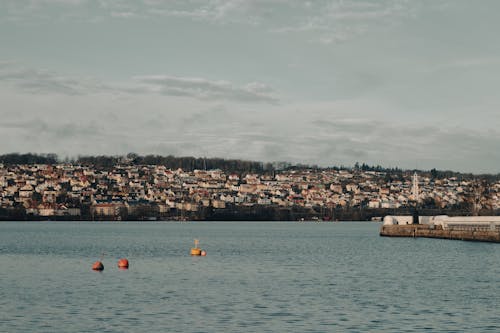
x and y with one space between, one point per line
436 231
443 220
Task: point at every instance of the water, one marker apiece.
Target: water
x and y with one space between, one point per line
257 277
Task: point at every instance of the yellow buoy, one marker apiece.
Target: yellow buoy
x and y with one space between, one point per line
196 251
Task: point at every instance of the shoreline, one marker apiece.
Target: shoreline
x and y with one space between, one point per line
240 213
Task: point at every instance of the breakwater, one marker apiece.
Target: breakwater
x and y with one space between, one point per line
468 233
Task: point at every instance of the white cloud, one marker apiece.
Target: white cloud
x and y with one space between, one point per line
466 63
123 14
35 3
339 21
45 81
201 88
336 19
40 81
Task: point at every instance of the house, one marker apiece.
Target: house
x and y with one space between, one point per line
218 204
106 209
46 210
65 211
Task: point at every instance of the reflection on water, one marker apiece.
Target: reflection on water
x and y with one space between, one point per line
257 277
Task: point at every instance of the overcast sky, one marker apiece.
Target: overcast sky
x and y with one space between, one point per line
413 84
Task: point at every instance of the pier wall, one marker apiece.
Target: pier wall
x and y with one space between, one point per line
471 233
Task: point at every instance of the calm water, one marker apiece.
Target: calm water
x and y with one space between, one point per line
257 277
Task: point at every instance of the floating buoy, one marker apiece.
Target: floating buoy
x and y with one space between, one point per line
123 263
98 266
203 253
196 251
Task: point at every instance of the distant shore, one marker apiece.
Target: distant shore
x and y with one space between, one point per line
247 213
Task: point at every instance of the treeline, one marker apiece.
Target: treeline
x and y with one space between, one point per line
190 163
187 163
29 158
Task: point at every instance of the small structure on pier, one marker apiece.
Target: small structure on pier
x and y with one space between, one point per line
447 222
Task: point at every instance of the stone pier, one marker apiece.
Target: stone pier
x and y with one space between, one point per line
469 233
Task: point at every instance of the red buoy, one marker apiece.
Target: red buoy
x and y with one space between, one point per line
98 266
123 263
203 253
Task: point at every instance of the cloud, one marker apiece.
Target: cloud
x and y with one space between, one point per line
201 88
123 14
339 21
45 81
62 2
60 130
76 124
32 11
402 144
335 20
212 11
466 63
333 139
367 10
40 81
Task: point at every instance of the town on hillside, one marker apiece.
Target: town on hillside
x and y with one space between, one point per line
68 191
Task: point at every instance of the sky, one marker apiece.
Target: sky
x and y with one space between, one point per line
412 84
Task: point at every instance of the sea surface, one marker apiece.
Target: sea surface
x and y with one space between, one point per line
257 277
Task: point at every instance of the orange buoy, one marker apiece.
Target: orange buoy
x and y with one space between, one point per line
196 251
123 263
203 253
98 266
